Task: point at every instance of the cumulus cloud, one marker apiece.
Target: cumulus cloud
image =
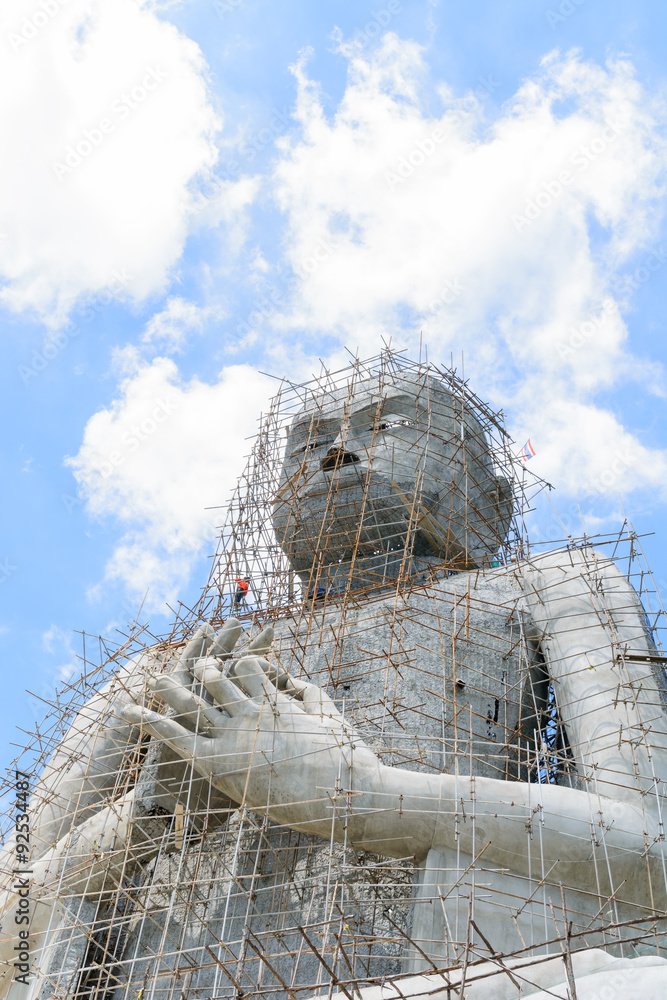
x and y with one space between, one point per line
161 453
109 126
515 239
172 324
520 240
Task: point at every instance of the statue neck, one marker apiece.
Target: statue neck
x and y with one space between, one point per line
376 571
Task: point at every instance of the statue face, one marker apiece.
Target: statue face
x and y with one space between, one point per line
370 466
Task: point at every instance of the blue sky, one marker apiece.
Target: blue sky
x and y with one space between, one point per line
192 192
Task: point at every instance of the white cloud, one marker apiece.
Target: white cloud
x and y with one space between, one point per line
58 643
165 450
394 210
575 436
225 202
109 125
172 325
507 239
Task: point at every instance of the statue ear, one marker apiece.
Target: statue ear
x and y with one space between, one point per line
503 505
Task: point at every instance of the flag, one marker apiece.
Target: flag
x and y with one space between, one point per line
527 451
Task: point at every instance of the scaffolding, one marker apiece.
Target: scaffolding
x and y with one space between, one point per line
401 600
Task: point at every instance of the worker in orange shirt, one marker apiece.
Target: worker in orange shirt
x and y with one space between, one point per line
241 590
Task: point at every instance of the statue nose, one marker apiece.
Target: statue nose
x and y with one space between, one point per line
336 457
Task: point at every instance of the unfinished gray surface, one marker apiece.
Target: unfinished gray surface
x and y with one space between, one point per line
453 764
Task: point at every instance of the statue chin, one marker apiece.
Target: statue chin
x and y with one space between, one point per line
369 519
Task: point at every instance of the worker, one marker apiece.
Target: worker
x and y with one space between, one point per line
241 590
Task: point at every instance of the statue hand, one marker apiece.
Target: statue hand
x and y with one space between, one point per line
208 649
267 741
205 642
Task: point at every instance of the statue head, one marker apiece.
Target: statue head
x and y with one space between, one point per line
388 465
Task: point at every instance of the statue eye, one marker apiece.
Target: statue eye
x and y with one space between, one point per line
312 444
391 424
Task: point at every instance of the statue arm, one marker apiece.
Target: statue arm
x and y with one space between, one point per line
591 628
84 838
291 755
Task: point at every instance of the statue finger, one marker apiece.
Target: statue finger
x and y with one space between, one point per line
226 693
261 647
194 648
261 644
184 702
237 668
251 672
197 645
168 730
317 702
291 685
285 682
226 639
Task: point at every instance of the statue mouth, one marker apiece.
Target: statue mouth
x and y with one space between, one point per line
340 477
346 508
